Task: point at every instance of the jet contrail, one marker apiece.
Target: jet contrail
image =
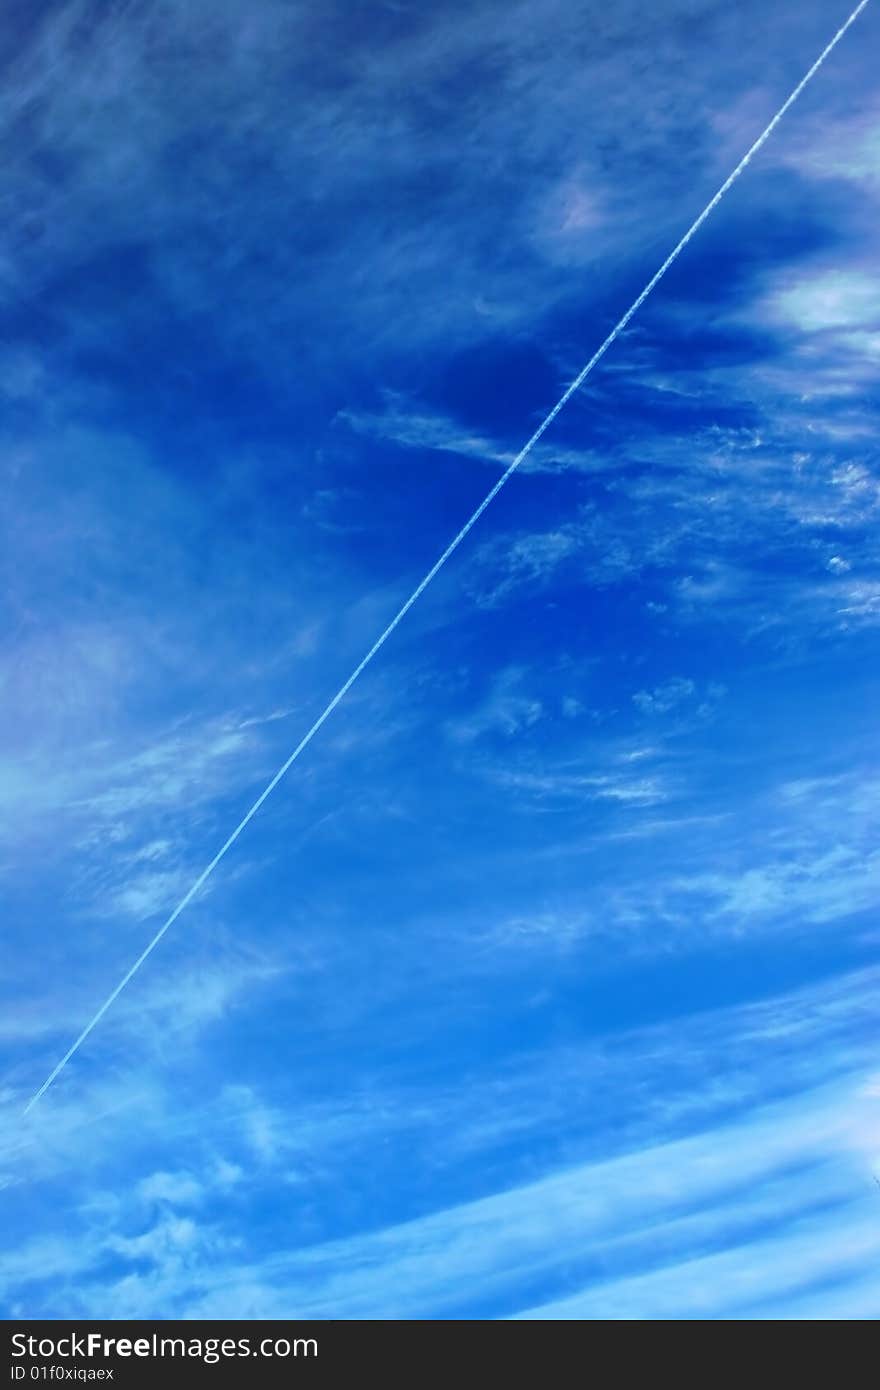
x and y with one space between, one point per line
450 550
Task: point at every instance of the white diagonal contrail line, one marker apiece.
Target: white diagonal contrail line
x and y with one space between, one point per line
450 549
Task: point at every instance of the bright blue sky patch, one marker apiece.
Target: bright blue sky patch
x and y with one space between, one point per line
543 986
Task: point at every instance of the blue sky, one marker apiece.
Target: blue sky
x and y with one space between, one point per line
546 984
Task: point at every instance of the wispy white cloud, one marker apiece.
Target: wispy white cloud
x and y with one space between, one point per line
410 426
569 785
767 1170
507 709
833 299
